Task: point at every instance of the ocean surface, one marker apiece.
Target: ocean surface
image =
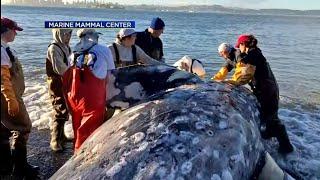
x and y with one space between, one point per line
290 44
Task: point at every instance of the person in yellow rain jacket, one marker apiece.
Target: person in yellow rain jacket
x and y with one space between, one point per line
231 56
254 69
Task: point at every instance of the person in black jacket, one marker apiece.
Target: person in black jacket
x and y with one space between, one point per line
149 40
256 71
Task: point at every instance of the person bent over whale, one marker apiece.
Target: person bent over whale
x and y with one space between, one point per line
254 69
191 65
56 64
15 121
126 53
84 84
149 40
231 56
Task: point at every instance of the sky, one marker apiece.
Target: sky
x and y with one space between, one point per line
255 4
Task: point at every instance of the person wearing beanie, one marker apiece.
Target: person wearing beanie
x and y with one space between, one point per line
15 122
56 64
231 56
126 53
149 40
253 69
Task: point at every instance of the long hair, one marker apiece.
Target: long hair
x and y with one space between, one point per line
252 42
3 29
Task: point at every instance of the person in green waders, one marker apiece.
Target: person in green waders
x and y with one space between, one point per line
15 122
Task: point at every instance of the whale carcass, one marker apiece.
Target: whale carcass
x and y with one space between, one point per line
175 127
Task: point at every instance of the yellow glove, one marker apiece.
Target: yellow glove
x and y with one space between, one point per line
221 75
8 92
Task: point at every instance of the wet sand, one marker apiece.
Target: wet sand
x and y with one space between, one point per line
40 154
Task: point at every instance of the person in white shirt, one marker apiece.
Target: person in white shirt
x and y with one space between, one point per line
85 82
126 53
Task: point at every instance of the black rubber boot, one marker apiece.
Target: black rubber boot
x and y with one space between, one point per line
285 146
21 168
5 161
266 132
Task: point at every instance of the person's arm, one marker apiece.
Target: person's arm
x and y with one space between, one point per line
56 57
161 53
223 72
112 54
110 62
8 92
221 75
243 74
145 59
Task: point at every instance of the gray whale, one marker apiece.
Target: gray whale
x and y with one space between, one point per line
176 128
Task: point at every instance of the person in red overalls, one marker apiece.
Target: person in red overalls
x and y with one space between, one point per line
84 84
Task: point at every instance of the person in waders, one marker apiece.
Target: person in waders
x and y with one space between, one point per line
15 122
254 69
126 53
56 64
84 84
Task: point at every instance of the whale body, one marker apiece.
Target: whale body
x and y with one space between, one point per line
174 126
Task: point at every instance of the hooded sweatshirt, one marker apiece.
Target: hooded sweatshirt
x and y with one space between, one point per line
54 53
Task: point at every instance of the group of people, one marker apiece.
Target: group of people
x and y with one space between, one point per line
77 82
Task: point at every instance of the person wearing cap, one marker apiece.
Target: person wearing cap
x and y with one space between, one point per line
15 122
149 40
84 84
256 70
231 57
188 64
56 64
126 53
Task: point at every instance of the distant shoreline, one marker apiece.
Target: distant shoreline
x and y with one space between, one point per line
189 9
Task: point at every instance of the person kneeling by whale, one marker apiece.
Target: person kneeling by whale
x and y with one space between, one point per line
126 53
84 84
188 64
252 67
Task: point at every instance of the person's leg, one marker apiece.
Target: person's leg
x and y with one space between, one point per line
5 152
21 168
285 145
269 101
60 114
90 121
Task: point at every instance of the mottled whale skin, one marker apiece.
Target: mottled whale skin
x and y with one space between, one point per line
193 131
129 85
